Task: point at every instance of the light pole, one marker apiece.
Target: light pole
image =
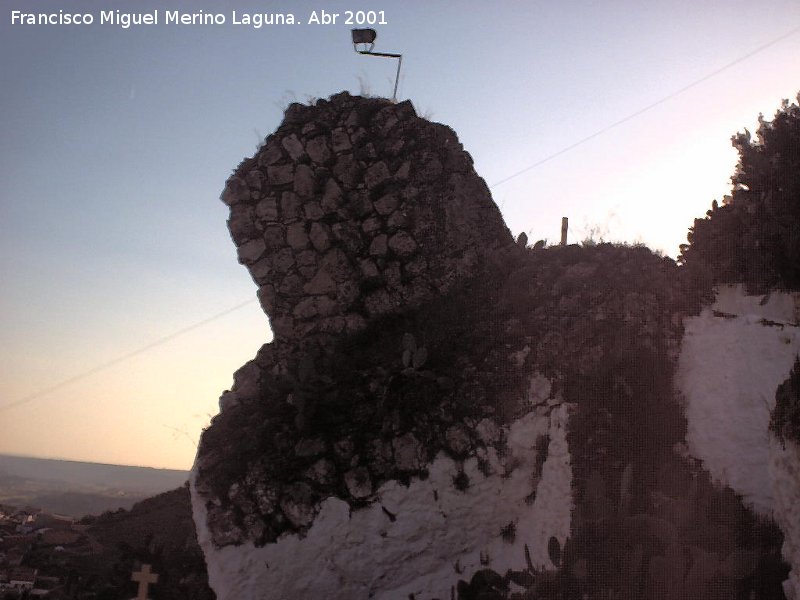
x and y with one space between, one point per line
366 37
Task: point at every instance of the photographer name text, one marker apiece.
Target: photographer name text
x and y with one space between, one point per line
175 17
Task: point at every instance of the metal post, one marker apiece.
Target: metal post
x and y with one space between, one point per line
367 37
397 77
388 55
564 227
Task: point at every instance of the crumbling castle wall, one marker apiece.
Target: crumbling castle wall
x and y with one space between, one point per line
355 209
444 413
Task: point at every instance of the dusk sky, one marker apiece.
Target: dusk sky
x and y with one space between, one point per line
116 143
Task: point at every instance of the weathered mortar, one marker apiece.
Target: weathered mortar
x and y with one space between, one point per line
356 208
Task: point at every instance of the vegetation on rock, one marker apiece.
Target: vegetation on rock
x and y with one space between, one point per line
754 236
785 421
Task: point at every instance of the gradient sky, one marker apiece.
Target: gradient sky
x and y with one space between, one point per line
115 145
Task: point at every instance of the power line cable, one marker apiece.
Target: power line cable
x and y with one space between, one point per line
101 367
119 359
633 115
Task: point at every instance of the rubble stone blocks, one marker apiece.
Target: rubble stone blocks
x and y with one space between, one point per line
324 180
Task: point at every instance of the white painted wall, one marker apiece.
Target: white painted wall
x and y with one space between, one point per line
362 554
729 370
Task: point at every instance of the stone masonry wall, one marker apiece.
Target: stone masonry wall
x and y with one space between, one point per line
361 223
355 208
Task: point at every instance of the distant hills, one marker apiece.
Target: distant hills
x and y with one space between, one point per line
80 488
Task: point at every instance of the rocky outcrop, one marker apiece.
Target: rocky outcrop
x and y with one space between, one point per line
416 539
446 413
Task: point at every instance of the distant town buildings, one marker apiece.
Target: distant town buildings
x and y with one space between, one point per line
19 579
28 530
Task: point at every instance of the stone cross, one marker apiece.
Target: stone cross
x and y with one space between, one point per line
145 578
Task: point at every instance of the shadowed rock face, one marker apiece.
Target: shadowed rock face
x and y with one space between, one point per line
442 410
356 208
353 215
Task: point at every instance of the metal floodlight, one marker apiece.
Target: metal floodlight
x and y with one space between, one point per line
364 36
367 38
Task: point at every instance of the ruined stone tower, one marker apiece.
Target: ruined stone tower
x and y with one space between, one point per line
356 208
